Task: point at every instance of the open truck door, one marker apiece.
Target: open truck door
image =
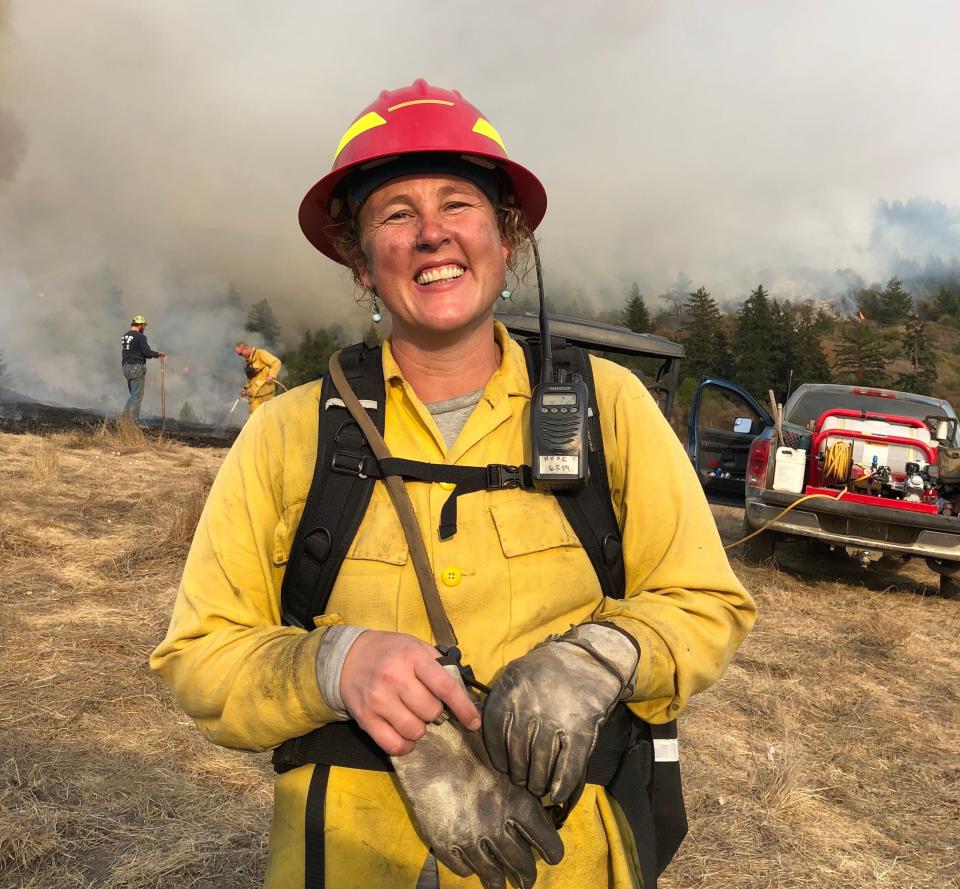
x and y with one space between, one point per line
724 421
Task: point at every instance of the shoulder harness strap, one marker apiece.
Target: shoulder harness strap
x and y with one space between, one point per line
657 817
337 500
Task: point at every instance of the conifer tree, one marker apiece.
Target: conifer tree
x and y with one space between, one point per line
947 303
635 315
260 319
755 331
861 356
187 413
782 346
923 360
720 352
810 364
703 338
824 322
309 360
896 304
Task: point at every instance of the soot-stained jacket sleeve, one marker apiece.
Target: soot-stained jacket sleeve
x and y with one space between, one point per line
683 605
247 681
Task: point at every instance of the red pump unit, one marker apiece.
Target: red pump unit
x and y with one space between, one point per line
896 440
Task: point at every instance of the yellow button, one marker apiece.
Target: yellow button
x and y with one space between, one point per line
451 575
447 486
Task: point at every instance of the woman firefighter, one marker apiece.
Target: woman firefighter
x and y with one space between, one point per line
390 778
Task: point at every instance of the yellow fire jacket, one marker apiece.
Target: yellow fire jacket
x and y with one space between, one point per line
514 573
258 389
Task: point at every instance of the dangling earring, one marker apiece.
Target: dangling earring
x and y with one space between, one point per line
376 317
504 294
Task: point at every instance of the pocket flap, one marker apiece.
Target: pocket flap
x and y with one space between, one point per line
530 524
380 537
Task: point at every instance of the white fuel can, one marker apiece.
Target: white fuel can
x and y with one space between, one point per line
789 469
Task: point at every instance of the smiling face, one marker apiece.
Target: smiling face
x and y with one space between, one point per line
433 253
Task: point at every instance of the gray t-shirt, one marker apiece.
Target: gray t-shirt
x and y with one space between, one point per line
452 414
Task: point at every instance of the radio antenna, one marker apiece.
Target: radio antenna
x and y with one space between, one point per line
546 348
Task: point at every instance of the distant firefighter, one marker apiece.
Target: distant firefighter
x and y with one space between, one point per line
134 352
262 370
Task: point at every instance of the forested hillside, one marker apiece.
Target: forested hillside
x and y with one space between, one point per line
878 336
883 337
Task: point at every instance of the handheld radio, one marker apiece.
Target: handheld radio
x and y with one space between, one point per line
558 416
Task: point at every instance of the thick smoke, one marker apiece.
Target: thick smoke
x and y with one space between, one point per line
151 155
13 145
108 217
921 237
13 142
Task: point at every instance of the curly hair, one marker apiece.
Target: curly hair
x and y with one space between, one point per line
346 238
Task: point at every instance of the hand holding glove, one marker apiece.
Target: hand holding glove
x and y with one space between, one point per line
544 712
470 815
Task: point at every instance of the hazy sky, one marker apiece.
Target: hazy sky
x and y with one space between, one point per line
735 142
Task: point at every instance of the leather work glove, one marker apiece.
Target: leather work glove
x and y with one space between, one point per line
544 712
471 816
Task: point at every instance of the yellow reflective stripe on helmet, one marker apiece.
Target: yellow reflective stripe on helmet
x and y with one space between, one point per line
367 122
420 102
485 128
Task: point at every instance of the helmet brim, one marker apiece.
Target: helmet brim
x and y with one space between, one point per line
315 219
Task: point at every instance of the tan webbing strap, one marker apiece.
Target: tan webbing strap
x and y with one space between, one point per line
442 629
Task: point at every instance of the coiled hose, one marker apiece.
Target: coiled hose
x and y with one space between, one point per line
837 463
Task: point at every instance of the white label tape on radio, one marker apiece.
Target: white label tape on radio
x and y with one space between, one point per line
560 464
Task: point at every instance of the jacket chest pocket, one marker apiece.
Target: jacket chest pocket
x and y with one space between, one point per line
368 584
551 578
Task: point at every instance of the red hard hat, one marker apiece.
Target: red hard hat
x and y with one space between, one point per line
417 118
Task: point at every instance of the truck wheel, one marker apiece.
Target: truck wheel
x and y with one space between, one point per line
759 549
949 587
949 577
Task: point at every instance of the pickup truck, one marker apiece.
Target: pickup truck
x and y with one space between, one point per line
884 464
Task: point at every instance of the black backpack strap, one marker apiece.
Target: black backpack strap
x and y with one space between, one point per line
666 793
589 510
657 817
337 500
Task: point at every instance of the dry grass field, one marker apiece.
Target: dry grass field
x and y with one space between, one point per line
829 756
